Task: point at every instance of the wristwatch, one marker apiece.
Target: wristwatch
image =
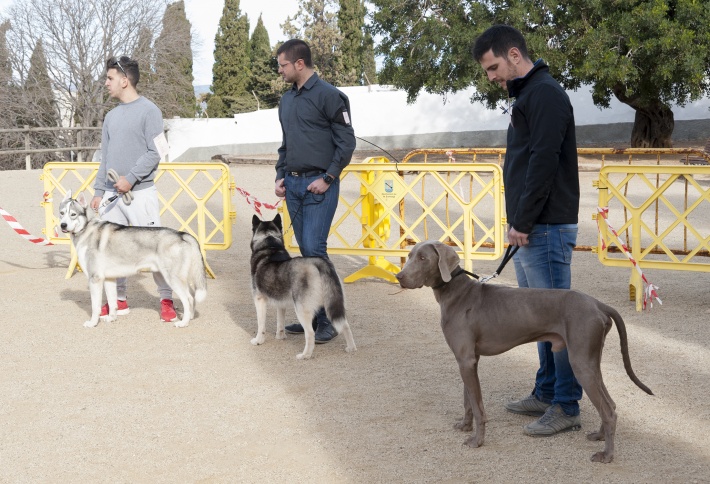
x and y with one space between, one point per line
328 178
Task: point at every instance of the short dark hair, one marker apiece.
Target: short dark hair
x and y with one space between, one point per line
295 49
500 39
127 66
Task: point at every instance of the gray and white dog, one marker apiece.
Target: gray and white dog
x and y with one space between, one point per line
306 283
107 251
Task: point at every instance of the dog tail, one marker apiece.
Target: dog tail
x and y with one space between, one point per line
621 328
197 270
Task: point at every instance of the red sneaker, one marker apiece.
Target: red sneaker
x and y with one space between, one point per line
167 311
121 311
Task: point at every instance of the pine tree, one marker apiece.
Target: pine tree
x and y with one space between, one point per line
369 66
143 53
316 23
41 106
351 21
231 73
264 67
172 90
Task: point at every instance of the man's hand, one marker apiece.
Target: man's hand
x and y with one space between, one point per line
318 186
280 189
517 238
122 185
95 203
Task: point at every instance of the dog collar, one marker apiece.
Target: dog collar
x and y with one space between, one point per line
457 272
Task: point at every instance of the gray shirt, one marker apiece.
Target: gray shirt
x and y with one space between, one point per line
317 134
127 144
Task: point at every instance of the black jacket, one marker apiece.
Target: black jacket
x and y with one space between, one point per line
540 173
317 134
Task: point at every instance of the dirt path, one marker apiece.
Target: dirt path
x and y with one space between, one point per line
141 401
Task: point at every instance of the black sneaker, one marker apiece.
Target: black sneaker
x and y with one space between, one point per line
325 333
296 328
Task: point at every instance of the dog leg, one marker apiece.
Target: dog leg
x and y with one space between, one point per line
305 318
111 300
468 366
186 307
588 373
260 304
280 323
95 287
342 326
466 424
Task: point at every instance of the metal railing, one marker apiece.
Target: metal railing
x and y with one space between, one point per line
74 146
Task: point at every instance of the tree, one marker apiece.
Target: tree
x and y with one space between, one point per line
369 67
41 108
316 23
351 22
78 36
231 73
264 67
172 89
648 54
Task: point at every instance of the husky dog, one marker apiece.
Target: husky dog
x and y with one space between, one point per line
107 251
307 283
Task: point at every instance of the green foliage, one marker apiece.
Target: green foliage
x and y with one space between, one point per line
351 22
316 23
264 68
172 89
648 54
231 71
369 67
38 92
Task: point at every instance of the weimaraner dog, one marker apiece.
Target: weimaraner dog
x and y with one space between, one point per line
483 320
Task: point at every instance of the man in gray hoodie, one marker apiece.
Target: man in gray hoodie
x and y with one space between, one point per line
132 135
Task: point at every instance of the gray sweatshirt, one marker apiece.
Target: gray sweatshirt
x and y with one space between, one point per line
127 144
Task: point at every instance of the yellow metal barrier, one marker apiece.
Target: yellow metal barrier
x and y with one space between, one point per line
194 198
457 203
661 212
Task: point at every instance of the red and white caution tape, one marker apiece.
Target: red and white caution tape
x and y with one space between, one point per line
649 290
253 201
21 231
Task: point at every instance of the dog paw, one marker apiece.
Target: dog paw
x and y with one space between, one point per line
595 436
602 457
90 324
281 335
463 426
182 324
350 349
108 318
303 356
474 442
258 340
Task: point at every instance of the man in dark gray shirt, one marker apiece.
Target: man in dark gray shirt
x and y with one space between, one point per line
318 142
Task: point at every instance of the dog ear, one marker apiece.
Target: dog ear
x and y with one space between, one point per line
443 265
81 200
67 196
255 221
277 222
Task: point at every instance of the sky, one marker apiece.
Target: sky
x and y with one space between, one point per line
204 16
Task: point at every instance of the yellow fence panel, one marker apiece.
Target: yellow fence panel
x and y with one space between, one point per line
194 198
661 215
385 208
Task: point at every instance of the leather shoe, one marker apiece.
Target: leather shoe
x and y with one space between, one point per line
296 328
325 332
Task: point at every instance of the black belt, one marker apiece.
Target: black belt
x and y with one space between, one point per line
306 173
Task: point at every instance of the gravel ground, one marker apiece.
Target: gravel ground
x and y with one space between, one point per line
141 401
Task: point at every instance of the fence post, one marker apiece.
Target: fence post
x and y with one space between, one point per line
80 154
28 157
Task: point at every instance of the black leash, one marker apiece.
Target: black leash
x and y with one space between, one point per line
509 253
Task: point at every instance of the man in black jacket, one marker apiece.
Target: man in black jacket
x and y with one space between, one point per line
318 143
542 202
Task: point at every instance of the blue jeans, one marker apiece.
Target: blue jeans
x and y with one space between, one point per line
546 263
311 216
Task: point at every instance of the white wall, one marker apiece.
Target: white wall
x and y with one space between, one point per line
383 111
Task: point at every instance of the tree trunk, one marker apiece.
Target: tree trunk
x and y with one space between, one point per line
653 124
653 128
